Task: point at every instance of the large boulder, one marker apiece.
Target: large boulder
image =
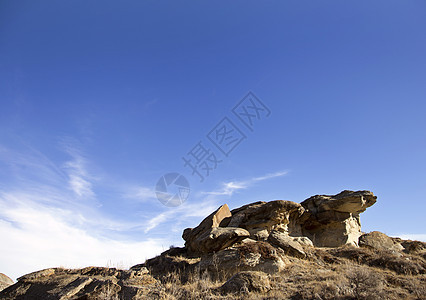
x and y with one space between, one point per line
379 241
333 221
5 281
286 243
260 218
249 255
216 239
193 235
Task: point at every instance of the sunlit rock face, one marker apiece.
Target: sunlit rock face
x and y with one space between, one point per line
322 220
5 281
332 221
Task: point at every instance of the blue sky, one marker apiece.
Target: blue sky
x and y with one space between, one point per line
99 99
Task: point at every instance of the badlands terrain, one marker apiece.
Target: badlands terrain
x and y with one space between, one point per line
263 250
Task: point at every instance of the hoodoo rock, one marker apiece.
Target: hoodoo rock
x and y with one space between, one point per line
332 221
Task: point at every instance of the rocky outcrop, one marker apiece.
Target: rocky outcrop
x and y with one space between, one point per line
323 220
199 239
5 281
87 283
332 221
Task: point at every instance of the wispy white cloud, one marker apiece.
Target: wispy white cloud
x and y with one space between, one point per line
139 193
157 220
39 237
29 166
188 210
79 179
46 224
228 188
206 202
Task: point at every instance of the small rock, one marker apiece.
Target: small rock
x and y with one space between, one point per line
248 281
286 243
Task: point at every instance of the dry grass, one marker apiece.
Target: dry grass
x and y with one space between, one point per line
304 279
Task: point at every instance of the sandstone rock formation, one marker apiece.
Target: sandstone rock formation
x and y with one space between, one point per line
5 281
217 238
261 218
286 243
207 237
332 221
325 221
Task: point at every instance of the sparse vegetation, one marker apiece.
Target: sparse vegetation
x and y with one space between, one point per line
326 278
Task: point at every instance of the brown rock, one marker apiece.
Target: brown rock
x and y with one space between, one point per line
5 281
216 239
379 241
286 243
245 256
333 221
248 281
204 228
260 218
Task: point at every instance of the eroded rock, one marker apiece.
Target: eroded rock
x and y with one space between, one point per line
379 241
332 221
286 243
217 238
260 218
5 281
192 236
